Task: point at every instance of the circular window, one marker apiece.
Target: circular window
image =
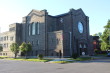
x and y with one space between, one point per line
80 27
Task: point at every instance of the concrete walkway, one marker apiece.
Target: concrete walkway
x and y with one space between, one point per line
63 59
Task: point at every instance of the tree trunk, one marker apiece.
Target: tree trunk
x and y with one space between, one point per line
15 55
26 55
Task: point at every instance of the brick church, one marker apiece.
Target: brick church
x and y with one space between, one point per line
63 34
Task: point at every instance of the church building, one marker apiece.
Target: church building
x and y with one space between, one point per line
61 35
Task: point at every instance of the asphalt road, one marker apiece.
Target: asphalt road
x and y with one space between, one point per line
94 66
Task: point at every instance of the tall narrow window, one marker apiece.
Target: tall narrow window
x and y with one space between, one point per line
11 38
29 30
7 37
32 43
37 42
33 29
37 28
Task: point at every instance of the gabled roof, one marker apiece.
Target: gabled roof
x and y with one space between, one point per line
36 12
81 11
33 10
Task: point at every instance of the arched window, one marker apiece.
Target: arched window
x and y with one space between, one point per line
80 46
33 29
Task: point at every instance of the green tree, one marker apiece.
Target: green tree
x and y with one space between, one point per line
100 34
25 48
14 48
1 48
105 45
95 34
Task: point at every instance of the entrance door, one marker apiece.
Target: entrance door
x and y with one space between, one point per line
80 47
85 49
60 54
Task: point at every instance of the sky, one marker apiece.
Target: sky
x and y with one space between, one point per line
12 11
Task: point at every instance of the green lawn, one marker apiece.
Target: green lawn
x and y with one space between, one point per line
101 55
82 59
2 57
35 60
46 60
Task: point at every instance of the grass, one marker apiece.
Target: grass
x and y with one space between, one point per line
101 55
46 60
35 60
82 59
2 57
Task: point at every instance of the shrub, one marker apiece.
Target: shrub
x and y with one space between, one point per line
40 56
75 55
97 51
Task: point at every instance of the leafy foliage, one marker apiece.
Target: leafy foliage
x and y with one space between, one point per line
105 37
25 48
14 48
97 34
1 48
75 55
40 56
103 46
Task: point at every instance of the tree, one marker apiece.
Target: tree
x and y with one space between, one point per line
105 37
25 48
103 46
1 48
95 34
98 34
14 48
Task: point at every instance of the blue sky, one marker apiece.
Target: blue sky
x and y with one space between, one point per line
12 11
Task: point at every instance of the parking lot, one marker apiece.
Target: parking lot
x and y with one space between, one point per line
94 66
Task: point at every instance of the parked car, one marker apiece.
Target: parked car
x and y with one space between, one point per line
108 54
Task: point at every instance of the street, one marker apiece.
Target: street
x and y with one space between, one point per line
94 66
